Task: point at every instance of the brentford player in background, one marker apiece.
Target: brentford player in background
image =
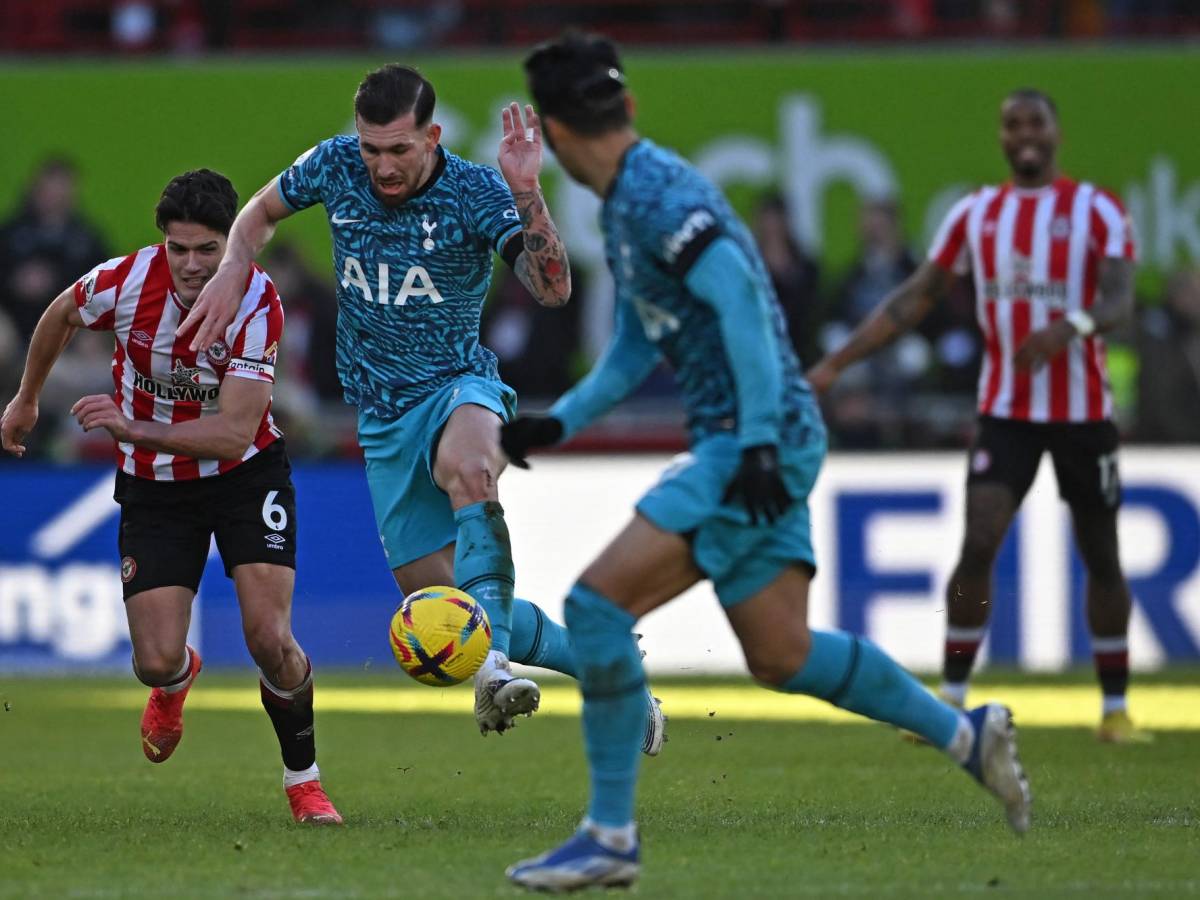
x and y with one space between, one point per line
1052 261
197 455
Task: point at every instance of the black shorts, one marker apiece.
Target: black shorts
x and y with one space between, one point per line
1084 455
166 526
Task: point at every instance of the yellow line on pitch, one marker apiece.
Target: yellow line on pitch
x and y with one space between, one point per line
1157 707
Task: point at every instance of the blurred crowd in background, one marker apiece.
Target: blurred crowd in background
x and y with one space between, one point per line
196 26
920 393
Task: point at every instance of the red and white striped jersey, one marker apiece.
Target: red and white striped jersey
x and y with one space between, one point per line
155 376
1035 255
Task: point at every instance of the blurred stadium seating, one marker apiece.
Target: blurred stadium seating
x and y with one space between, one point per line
57 26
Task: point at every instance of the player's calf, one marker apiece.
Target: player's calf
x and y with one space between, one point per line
291 714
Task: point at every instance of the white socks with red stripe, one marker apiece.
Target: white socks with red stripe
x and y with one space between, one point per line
291 779
182 678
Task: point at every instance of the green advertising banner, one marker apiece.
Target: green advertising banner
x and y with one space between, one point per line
827 129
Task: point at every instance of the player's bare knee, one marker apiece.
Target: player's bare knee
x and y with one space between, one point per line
776 664
471 481
1105 568
154 667
979 549
269 644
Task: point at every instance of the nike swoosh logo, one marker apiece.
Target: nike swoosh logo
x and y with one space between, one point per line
336 221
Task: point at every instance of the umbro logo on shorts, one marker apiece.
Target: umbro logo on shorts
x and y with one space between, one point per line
276 541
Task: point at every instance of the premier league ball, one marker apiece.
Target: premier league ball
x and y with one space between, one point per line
440 636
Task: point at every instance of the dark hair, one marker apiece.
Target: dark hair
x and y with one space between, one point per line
201 196
577 78
394 91
1033 94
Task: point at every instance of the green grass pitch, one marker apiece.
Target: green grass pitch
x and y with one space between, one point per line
733 807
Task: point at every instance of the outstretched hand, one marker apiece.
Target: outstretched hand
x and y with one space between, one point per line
214 310
520 156
821 377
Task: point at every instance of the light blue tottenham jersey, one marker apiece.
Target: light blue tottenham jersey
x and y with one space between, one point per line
411 279
658 219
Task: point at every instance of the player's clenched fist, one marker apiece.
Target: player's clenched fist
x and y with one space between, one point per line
19 418
758 485
101 411
527 433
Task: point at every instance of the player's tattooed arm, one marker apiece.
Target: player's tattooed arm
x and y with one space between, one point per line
900 310
542 266
1115 304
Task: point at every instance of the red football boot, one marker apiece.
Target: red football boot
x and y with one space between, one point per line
162 722
310 804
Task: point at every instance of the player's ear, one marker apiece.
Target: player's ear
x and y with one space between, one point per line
433 134
553 131
630 106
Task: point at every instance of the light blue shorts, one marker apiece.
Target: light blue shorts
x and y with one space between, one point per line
739 558
412 513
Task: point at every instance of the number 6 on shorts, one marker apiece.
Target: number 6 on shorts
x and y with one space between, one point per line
273 514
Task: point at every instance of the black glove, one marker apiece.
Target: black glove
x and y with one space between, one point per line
526 433
758 485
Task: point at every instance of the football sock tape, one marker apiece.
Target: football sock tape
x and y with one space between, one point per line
483 565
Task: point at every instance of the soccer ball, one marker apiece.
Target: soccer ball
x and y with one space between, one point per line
440 636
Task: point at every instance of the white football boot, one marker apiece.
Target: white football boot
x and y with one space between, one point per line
656 726
994 762
656 721
500 696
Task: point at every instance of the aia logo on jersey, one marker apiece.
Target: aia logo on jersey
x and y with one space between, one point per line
128 569
218 353
417 283
1060 228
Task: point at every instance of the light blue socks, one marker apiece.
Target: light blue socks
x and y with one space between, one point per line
614 701
852 673
537 640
